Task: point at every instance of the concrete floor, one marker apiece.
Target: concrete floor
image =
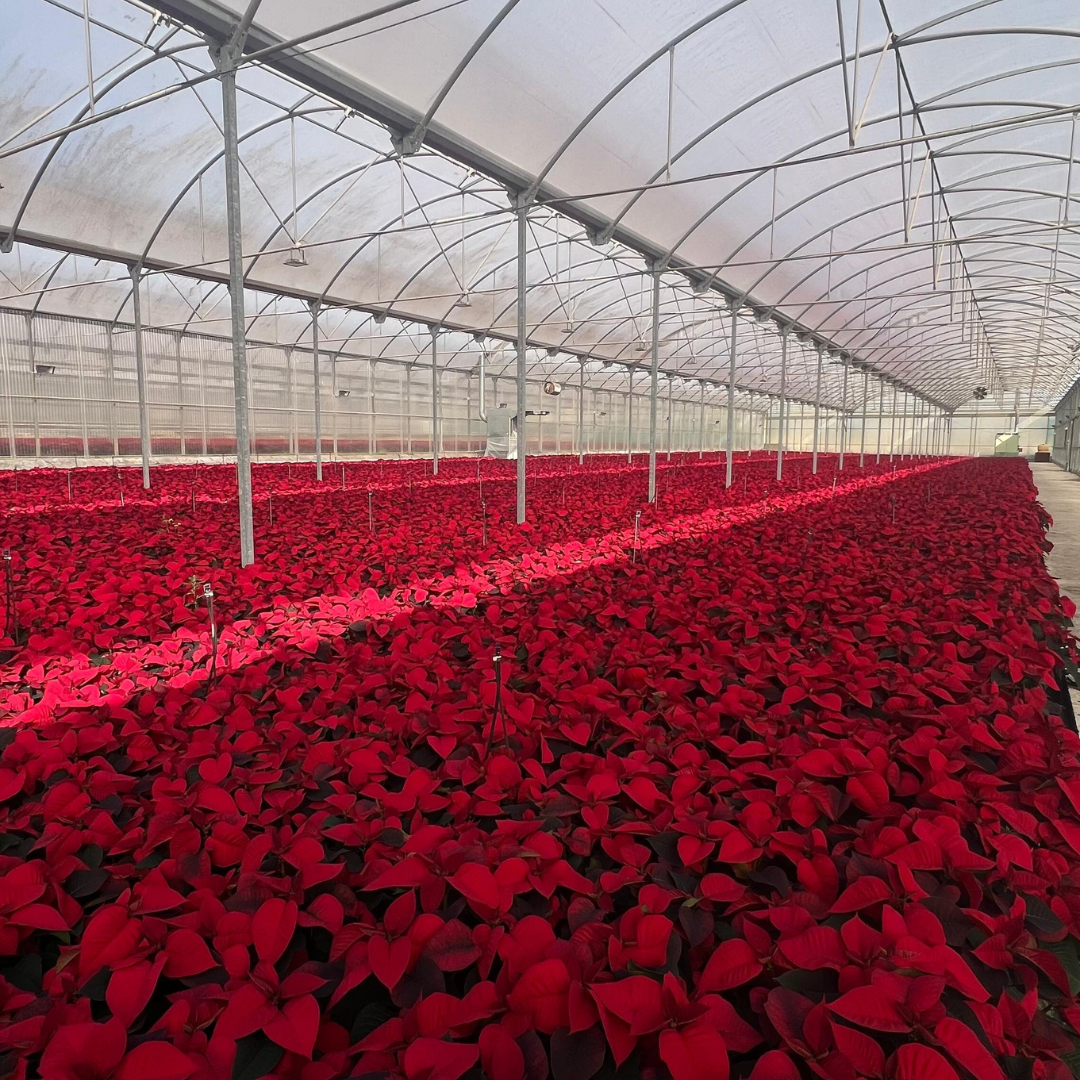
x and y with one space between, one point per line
1059 492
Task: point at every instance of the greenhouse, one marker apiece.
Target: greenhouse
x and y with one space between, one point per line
538 539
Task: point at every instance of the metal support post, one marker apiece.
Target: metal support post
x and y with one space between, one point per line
892 425
782 424
180 394
880 418
522 344
140 375
843 417
373 435
670 412
316 387
581 414
862 431
435 401
730 472
226 63
654 382
701 425
817 412
110 360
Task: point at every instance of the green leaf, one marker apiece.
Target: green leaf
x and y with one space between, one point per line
1065 951
370 1017
92 856
256 1056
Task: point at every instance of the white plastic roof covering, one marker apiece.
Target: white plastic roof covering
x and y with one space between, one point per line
952 265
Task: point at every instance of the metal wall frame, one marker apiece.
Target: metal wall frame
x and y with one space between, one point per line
68 389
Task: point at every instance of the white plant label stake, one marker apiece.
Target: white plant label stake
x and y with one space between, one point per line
497 710
10 623
208 595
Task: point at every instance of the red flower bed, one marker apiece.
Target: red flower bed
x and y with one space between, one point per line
772 789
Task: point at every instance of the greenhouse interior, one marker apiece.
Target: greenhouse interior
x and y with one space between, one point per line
539 540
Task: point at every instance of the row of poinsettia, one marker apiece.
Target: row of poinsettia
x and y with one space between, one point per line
769 786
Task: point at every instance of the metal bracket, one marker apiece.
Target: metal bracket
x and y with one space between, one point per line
407 143
599 237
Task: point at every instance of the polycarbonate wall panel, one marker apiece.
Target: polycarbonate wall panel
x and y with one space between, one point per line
1066 430
68 388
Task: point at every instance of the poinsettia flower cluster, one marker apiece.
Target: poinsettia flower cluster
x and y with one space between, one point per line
771 782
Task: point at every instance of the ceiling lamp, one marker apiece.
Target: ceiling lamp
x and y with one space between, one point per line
297 257
464 300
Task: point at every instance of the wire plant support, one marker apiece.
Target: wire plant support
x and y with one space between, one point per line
498 712
208 596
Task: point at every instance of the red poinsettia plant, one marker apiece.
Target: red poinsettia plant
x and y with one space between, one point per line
773 783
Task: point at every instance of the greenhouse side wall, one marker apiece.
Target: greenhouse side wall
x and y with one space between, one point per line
68 391
1066 451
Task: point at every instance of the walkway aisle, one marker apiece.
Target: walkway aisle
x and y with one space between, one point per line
1059 492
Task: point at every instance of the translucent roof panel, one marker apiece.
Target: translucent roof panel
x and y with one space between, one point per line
894 180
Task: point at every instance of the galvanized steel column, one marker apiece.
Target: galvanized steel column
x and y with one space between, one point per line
654 381
522 344
817 412
227 73
140 374
892 425
435 401
782 426
701 433
843 416
862 432
730 473
670 412
581 415
880 417
316 389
